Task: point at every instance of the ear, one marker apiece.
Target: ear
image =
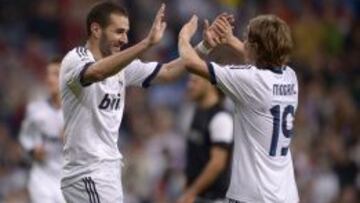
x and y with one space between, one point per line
96 30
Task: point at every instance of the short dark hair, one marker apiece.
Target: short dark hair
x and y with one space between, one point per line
100 13
269 38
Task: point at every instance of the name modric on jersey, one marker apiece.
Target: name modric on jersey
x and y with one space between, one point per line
284 89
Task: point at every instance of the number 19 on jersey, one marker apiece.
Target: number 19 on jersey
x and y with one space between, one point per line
281 119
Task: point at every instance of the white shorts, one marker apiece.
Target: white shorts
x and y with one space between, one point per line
100 186
92 190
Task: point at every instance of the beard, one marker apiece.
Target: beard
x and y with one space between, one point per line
104 46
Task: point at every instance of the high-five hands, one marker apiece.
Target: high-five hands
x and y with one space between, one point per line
158 27
219 32
189 29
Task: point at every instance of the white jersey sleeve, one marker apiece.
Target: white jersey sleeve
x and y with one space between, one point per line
140 74
221 128
30 135
238 82
74 66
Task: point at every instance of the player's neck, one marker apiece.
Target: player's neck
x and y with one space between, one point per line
94 49
209 100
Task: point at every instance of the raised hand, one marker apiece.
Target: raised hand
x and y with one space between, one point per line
190 59
189 29
158 27
220 31
209 37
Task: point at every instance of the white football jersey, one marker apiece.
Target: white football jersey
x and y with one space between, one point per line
265 105
43 125
93 112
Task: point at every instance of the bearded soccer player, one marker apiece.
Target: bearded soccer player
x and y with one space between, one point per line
93 79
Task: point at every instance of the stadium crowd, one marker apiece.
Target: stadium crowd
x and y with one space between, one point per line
326 145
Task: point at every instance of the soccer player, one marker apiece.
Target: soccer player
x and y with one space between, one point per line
92 83
41 135
265 93
209 145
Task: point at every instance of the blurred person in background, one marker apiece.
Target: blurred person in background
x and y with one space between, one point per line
164 149
208 145
157 159
41 136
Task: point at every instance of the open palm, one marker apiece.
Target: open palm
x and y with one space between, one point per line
189 29
158 27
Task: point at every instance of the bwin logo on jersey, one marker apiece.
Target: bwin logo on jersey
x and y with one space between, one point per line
110 102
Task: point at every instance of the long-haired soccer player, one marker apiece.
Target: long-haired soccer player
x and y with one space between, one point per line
265 93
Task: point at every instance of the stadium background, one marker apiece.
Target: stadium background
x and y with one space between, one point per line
326 145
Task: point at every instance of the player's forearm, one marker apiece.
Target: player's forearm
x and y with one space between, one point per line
176 68
208 175
112 64
236 45
170 71
193 63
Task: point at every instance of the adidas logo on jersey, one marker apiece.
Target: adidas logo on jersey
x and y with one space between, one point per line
110 102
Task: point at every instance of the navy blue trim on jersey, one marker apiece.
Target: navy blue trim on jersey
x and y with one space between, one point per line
277 70
284 151
81 75
147 81
211 73
223 145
